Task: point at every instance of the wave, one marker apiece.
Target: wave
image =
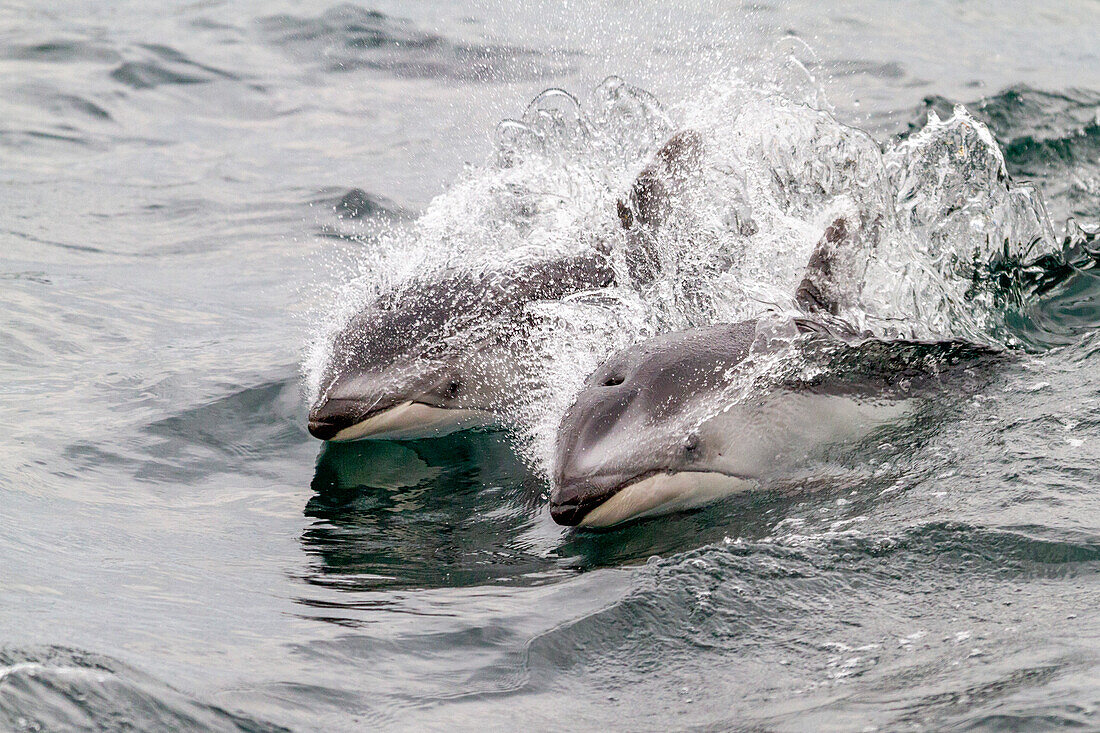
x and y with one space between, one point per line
63 51
238 433
58 688
1047 136
779 607
166 66
348 37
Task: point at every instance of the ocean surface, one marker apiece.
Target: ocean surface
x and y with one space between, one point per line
188 191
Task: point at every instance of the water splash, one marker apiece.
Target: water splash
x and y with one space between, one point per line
930 214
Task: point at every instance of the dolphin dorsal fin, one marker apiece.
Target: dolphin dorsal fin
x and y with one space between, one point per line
647 201
820 290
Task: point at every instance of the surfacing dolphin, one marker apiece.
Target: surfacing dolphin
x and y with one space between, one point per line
657 427
441 354
447 352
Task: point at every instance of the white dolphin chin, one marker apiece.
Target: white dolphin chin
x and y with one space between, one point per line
411 420
663 493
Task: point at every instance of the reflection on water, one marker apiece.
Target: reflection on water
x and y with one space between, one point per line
451 511
463 510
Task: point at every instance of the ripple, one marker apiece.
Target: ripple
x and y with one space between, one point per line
246 426
348 37
63 51
911 617
146 75
166 66
716 592
358 204
56 688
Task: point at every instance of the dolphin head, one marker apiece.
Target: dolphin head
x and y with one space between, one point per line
660 428
441 353
634 443
417 398
414 364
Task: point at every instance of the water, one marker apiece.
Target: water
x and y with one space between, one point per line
176 552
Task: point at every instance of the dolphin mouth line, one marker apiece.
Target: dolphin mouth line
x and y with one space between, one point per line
372 412
408 420
658 491
376 411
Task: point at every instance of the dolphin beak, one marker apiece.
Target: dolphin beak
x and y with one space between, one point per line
571 501
323 430
333 416
568 513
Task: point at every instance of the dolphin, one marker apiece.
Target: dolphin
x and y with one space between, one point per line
443 353
446 352
659 426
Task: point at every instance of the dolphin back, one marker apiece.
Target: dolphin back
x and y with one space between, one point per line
422 315
889 368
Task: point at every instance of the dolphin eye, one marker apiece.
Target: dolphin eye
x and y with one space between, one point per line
626 216
453 387
691 445
613 380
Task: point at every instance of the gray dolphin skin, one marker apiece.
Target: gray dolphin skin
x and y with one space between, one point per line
446 352
441 354
657 427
